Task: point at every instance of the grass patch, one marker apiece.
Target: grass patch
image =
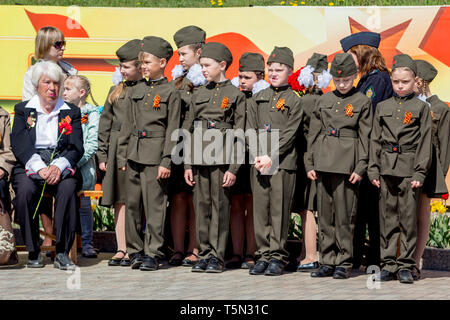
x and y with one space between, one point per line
222 3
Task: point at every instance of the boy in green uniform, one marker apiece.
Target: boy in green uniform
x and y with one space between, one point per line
214 108
337 157
400 155
145 148
274 108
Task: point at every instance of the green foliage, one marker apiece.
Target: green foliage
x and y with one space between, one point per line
439 231
295 227
103 218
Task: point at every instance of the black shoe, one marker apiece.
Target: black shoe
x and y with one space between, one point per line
275 268
200 266
135 260
308 267
115 262
176 261
214 266
149 264
324 271
35 260
405 276
188 262
234 264
386 275
341 273
259 268
63 262
88 252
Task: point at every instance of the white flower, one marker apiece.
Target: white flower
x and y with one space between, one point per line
306 77
177 71
235 82
323 80
260 85
195 75
117 77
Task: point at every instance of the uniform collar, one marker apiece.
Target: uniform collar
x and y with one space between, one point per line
343 96
35 103
248 94
212 84
408 97
157 82
432 98
280 89
133 83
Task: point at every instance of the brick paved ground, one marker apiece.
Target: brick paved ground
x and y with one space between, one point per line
98 281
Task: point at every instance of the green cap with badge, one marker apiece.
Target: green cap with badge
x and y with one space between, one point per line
343 66
404 61
250 61
282 55
425 70
129 51
189 35
218 52
318 61
157 46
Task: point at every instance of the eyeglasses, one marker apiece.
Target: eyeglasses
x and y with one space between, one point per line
59 44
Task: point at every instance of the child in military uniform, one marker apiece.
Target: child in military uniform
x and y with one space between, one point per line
434 185
216 106
313 77
400 155
250 81
145 148
187 77
114 111
337 157
273 173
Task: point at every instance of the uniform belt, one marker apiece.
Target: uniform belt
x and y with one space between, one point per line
116 125
142 134
211 124
396 148
344 132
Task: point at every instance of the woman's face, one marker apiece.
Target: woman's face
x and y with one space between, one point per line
129 71
48 89
56 51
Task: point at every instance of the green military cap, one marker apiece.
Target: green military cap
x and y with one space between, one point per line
157 46
250 61
404 60
425 70
318 61
217 51
129 51
282 55
343 66
189 35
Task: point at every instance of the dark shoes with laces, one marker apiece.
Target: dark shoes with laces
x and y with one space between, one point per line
63 262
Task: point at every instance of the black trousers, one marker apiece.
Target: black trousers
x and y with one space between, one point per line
66 209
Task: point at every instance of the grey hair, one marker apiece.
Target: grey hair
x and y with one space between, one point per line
46 68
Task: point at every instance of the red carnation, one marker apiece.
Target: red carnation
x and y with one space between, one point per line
65 127
445 196
293 81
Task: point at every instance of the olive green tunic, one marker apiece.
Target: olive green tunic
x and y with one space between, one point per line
400 152
211 201
273 194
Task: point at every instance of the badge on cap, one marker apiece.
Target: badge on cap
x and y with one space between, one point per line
339 71
273 55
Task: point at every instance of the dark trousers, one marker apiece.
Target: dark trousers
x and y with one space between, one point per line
87 221
65 214
367 215
4 194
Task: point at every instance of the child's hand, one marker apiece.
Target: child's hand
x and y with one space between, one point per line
163 173
376 183
189 177
228 179
312 175
102 166
354 178
415 184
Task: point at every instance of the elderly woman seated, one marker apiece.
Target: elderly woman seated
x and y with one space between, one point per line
35 134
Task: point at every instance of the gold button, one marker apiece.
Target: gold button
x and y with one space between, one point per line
148 94
215 95
145 103
217 89
273 107
337 110
151 87
399 103
398 118
398 110
339 102
214 102
188 93
274 99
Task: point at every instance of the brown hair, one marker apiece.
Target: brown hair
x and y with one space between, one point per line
369 59
178 82
45 39
83 83
118 89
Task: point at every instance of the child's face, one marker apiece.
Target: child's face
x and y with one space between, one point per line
403 81
188 57
152 66
129 71
71 92
278 74
247 79
344 85
212 69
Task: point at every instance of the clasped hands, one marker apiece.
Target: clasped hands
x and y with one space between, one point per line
51 174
